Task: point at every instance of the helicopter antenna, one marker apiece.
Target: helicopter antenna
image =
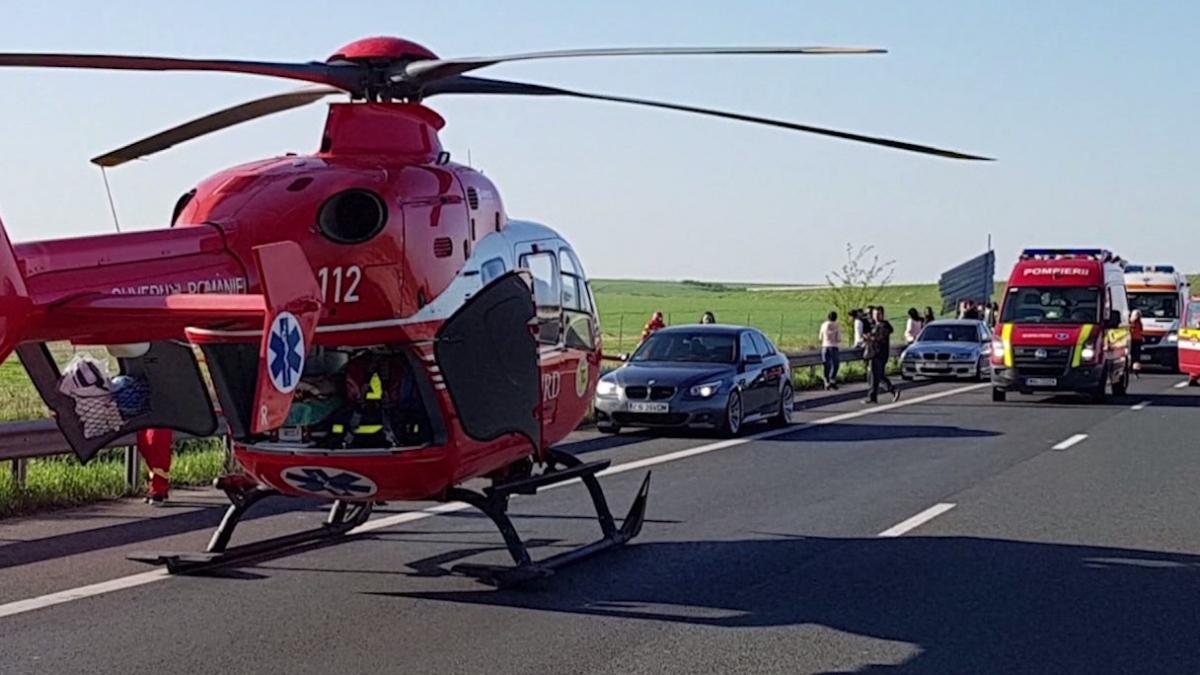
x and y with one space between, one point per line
111 204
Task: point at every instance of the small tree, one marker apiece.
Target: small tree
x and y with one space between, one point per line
859 282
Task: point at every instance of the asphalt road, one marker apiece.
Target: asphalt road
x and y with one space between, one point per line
999 554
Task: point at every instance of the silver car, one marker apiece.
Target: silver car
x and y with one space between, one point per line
955 348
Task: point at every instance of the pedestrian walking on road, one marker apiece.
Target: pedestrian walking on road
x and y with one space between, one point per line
913 326
877 351
929 317
708 317
831 343
868 319
1136 336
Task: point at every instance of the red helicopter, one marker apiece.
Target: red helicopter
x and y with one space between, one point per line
373 326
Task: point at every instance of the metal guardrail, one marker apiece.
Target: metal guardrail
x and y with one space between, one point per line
22 441
34 439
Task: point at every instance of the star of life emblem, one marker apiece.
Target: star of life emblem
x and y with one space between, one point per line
286 357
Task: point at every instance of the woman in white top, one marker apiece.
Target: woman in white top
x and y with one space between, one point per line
831 343
914 326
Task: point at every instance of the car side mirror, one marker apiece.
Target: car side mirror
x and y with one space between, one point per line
1114 320
752 359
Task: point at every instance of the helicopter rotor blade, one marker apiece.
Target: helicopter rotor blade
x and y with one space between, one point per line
478 85
433 69
347 76
215 122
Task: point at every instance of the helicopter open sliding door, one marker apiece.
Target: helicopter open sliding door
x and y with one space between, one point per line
489 359
164 390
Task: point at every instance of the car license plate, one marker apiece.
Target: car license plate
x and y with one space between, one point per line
648 407
1041 381
1146 357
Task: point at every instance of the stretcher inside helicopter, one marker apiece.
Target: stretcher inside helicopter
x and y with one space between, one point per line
349 399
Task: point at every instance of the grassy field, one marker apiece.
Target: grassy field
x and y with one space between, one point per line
790 317
62 481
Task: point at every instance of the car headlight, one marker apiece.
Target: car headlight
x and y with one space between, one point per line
964 356
607 388
705 390
1172 337
1088 353
998 351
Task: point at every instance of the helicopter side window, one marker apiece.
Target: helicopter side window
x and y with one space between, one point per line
547 295
577 306
492 269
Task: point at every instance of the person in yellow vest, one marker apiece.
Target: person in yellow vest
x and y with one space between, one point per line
366 415
382 408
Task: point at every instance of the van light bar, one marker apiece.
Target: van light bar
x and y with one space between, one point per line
1103 255
1169 269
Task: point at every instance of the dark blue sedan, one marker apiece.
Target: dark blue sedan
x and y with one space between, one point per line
698 377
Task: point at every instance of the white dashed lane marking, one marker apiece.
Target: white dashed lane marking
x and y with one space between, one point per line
1074 440
917 520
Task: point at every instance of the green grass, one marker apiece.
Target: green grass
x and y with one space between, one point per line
18 399
55 482
790 317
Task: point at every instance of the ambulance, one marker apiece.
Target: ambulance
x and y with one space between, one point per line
1064 325
1161 294
1189 343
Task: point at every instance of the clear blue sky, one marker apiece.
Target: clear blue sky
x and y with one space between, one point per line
1090 107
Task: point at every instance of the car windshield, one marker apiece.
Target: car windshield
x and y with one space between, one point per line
949 333
1052 305
694 347
1193 315
1155 305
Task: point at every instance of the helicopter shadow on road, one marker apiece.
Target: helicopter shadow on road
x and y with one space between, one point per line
607 442
1170 400
849 433
1063 401
970 605
135 531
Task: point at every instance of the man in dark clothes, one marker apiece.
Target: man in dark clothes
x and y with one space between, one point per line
970 310
877 351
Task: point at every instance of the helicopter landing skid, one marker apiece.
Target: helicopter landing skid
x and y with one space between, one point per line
343 517
493 502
